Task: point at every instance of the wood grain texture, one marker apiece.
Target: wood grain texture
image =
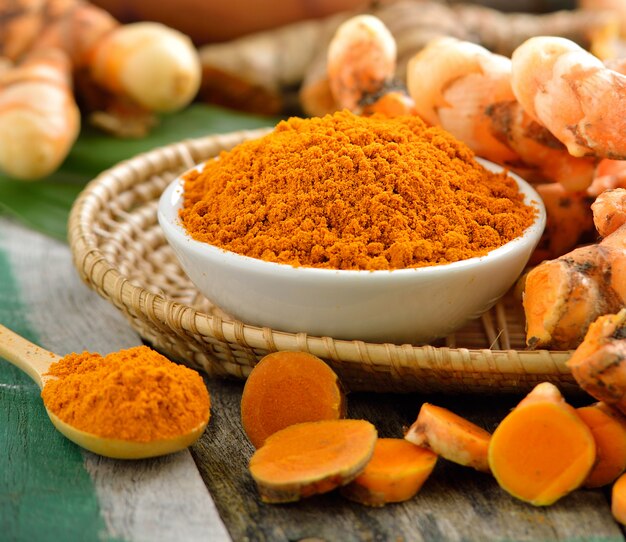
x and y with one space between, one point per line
149 500
456 503
161 499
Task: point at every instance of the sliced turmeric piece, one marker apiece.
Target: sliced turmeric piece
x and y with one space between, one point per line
312 457
286 388
450 436
542 450
608 427
396 472
598 362
618 500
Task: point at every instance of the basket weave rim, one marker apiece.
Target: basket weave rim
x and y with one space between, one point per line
171 315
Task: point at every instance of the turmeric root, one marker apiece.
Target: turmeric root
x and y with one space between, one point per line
541 450
618 499
149 65
391 102
414 24
609 174
286 388
568 220
573 94
616 7
563 296
503 32
433 75
268 63
450 436
466 89
361 61
609 212
569 215
39 119
395 473
254 72
312 457
598 362
608 427
154 65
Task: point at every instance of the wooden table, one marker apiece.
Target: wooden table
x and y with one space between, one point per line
52 490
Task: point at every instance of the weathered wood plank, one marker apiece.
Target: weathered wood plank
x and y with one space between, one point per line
161 499
456 503
45 493
152 500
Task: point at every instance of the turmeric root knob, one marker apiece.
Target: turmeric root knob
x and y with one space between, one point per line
563 297
609 211
542 450
156 66
599 363
39 119
285 388
361 59
312 457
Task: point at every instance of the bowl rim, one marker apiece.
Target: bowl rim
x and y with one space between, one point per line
170 202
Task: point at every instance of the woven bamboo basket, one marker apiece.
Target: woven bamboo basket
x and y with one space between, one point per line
121 253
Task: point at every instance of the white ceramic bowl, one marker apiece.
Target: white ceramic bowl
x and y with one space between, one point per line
399 306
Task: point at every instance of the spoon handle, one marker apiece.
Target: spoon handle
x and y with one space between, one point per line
32 359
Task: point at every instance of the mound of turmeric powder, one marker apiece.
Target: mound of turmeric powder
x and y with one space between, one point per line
134 394
353 192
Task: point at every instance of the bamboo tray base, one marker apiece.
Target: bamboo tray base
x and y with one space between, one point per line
120 252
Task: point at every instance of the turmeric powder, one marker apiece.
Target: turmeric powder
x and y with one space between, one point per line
135 394
351 192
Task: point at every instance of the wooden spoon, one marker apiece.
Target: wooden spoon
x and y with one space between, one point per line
35 362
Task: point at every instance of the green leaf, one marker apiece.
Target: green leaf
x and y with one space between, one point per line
44 204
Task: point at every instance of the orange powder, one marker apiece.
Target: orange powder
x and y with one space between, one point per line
135 394
351 192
